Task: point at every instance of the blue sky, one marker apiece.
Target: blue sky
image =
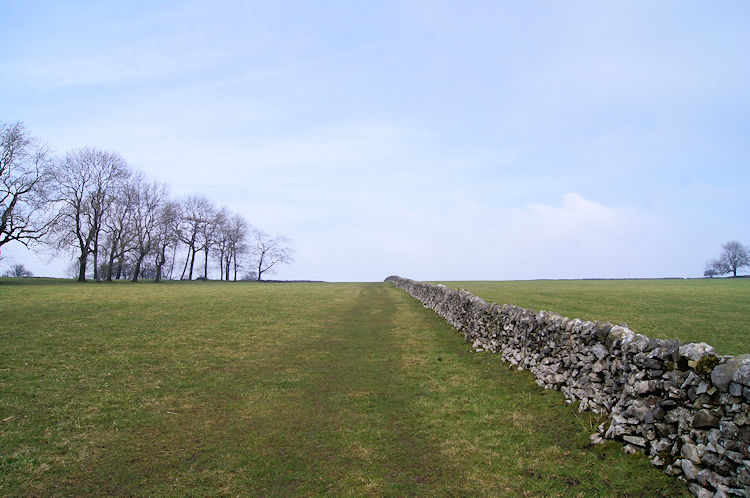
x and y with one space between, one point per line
436 140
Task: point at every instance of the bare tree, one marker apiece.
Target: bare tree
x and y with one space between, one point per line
208 233
84 182
221 243
117 226
713 268
195 215
231 241
24 173
238 230
168 222
148 197
18 271
268 252
733 256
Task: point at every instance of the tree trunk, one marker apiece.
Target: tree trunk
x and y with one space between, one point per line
82 267
221 265
192 262
171 266
120 259
111 263
234 257
96 256
187 258
137 269
161 258
205 265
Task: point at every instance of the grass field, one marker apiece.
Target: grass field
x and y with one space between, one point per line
716 311
277 389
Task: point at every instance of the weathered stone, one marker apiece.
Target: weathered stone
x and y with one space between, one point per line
619 333
742 375
640 343
723 374
729 429
692 380
735 389
642 387
717 480
702 477
734 456
638 441
689 451
742 418
695 350
600 351
596 438
744 493
704 418
699 490
649 432
710 459
663 444
664 429
743 477
689 470
630 449
653 364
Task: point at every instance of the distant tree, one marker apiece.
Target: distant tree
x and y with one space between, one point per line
208 233
268 252
117 229
221 243
712 269
18 271
231 241
250 275
84 182
196 213
168 222
148 199
238 230
24 173
733 257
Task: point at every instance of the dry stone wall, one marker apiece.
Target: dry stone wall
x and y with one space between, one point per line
681 404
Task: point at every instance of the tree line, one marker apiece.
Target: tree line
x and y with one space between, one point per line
117 221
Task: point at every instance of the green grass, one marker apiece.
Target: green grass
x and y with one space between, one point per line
715 311
277 389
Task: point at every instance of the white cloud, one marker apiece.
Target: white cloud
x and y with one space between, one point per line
465 239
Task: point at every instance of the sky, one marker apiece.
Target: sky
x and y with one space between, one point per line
433 140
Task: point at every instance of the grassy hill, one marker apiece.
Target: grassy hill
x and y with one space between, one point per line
277 389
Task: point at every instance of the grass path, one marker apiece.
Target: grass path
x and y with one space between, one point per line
277 390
